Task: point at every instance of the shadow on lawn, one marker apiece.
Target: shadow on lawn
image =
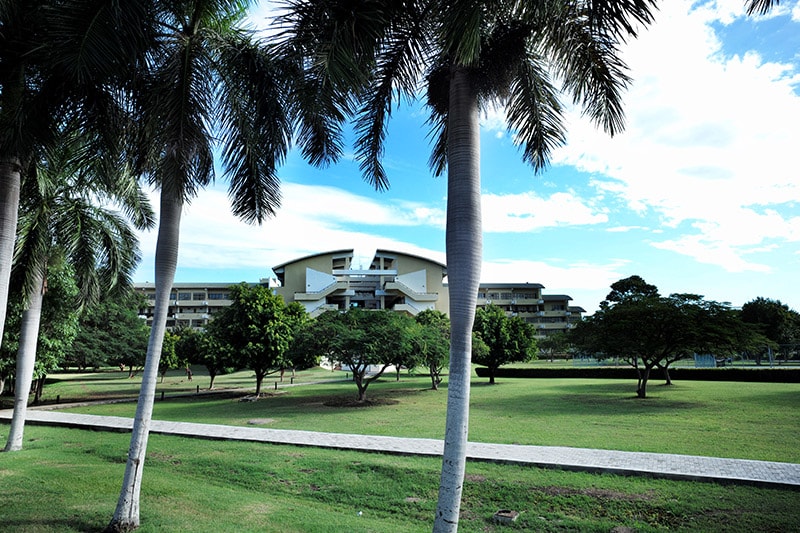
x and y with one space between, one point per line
596 399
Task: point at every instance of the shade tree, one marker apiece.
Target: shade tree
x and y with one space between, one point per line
110 332
650 331
431 342
257 331
509 339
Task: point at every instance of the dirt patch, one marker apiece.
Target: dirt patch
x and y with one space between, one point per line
477 478
349 402
260 421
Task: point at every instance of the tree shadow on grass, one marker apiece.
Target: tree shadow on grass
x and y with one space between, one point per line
597 399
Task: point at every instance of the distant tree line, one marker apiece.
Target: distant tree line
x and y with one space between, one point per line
639 326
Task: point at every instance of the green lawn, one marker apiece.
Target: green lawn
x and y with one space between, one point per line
68 480
740 420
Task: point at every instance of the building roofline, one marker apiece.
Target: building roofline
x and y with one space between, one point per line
525 285
385 251
305 257
556 297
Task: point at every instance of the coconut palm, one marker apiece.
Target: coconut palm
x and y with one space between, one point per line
208 86
61 62
466 56
61 219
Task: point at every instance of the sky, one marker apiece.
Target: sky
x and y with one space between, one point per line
700 194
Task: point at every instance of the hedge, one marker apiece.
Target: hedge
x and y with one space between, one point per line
770 375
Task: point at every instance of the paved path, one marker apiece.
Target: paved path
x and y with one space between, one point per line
765 473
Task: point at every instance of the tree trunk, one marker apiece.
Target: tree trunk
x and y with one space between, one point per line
491 375
212 375
9 208
126 515
644 375
259 381
464 250
667 379
26 359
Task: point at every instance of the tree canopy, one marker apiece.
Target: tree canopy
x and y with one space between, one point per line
509 339
258 330
648 330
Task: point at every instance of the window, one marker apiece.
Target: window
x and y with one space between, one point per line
184 296
217 295
198 296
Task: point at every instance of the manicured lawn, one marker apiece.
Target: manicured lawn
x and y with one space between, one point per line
68 480
741 420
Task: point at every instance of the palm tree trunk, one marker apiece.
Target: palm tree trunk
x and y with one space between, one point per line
126 515
464 249
26 359
9 207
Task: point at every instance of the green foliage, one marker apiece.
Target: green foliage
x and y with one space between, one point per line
776 322
169 357
258 330
203 348
648 330
358 340
110 332
59 323
431 342
508 339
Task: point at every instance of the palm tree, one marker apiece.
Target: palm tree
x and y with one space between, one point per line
60 63
60 219
468 56
208 85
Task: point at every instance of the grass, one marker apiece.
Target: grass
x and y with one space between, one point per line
67 480
739 420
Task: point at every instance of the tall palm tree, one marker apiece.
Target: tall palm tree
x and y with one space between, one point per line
61 219
467 56
208 85
61 61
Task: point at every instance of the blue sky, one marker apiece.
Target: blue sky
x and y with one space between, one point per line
700 194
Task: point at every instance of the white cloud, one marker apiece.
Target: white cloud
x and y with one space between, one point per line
524 212
711 140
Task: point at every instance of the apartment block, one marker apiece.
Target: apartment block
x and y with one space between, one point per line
393 280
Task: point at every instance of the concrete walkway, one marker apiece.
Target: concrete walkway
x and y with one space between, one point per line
764 473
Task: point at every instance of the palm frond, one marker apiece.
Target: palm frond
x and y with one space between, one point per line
255 126
534 113
397 73
587 60
760 7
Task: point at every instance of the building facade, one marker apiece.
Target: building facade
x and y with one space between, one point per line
393 280
548 313
190 304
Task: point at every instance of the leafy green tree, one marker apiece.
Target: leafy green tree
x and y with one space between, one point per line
651 331
258 329
111 332
169 359
60 218
357 339
510 339
58 330
208 87
467 56
554 344
775 321
203 348
432 343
